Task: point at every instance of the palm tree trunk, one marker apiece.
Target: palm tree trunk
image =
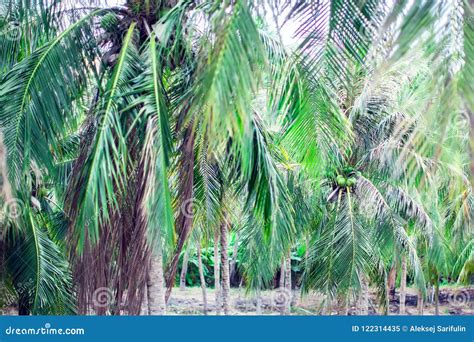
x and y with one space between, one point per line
392 277
325 306
225 268
436 297
282 283
347 305
156 286
217 272
387 299
429 294
184 270
202 279
259 302
145 309
288 292
403 286
285 285
233 263
282 274
420 303
364 298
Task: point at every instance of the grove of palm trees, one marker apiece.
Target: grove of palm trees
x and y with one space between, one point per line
236 157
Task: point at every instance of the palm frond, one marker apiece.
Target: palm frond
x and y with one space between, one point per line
156 151
228 77
37 263
92 195
37 91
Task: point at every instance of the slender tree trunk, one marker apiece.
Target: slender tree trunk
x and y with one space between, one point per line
347 305
392 277
364 298
420 303
288 273
233 263
285 285
259 302
325 306
156 286
148 293
403 286
436 297
429 294
184 271
387 299
341 305
201 278
145 309
282 274
225 268
217 272
282 284
288 288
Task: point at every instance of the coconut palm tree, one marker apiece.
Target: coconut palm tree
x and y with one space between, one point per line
139 94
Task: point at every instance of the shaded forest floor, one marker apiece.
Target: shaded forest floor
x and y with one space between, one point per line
453 301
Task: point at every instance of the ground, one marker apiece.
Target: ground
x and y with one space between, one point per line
453 301
189 302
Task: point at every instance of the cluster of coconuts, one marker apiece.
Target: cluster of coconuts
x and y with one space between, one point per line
348 178
343 181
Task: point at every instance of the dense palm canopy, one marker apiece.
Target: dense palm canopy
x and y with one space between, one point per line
129 131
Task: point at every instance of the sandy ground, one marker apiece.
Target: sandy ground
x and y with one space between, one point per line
189 302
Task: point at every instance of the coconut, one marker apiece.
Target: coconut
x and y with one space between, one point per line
341 181
351 181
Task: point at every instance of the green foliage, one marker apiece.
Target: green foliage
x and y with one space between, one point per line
144 128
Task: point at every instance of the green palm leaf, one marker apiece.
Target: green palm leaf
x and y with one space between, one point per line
92 194
35 94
